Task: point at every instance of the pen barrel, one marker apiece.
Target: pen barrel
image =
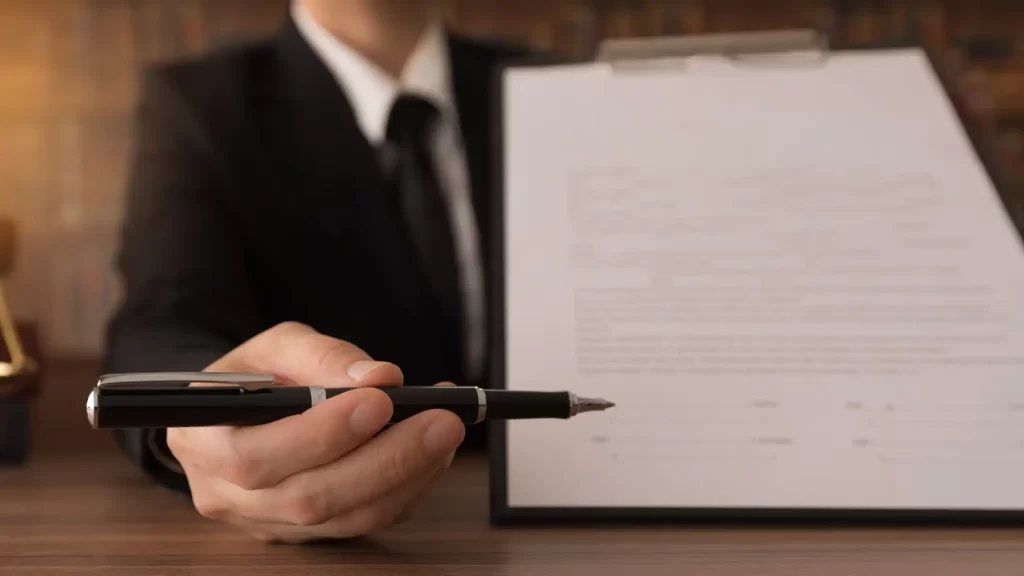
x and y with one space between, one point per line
180 407
517 405
132 407
407 401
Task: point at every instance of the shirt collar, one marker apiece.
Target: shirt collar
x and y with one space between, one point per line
372 91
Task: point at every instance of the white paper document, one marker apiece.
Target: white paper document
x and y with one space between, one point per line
797 283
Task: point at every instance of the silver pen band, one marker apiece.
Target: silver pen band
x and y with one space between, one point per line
317 394
481 405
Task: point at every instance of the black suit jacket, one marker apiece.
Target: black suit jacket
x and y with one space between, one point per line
254 199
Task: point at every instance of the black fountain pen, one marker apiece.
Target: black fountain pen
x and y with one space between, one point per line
167 400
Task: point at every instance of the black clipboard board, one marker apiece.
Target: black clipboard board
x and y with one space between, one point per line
661 51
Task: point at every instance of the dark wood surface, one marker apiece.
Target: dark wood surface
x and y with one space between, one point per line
59 425
78 508
96 515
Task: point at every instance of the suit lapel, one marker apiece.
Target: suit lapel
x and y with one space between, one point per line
334 173
329 157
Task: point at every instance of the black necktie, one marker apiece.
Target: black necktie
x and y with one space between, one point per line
422 202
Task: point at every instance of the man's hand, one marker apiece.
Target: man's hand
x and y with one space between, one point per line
323 473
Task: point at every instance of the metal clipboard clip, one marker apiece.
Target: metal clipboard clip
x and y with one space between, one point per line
246 382
775 48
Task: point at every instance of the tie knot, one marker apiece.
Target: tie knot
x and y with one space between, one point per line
411 116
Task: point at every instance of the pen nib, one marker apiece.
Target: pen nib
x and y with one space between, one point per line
594 405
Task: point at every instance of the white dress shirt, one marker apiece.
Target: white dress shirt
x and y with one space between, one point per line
372 92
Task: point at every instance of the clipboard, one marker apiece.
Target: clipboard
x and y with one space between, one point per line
636 56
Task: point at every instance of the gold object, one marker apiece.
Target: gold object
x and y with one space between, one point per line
15 373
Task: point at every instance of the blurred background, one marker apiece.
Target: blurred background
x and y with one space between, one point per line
68 84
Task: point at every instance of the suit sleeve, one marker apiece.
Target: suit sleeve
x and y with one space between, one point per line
187 296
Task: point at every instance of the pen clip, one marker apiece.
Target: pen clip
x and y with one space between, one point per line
248 382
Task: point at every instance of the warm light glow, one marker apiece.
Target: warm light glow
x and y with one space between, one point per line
6 369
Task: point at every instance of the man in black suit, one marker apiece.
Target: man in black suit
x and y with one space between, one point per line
317 207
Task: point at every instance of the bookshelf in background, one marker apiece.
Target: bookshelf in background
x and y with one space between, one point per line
67 104
995 64
70 68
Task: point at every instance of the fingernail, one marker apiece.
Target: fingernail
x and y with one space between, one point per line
368 418
442 436
359 369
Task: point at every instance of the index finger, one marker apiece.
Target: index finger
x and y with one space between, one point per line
260 456
297 354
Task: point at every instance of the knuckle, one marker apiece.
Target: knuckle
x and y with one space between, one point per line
176 442
324 447
335 351
244 475
208 506
396 466
289 327
246 478
281 333
307 509
242 471
368 519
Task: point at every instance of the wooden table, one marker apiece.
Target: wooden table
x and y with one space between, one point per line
96 515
